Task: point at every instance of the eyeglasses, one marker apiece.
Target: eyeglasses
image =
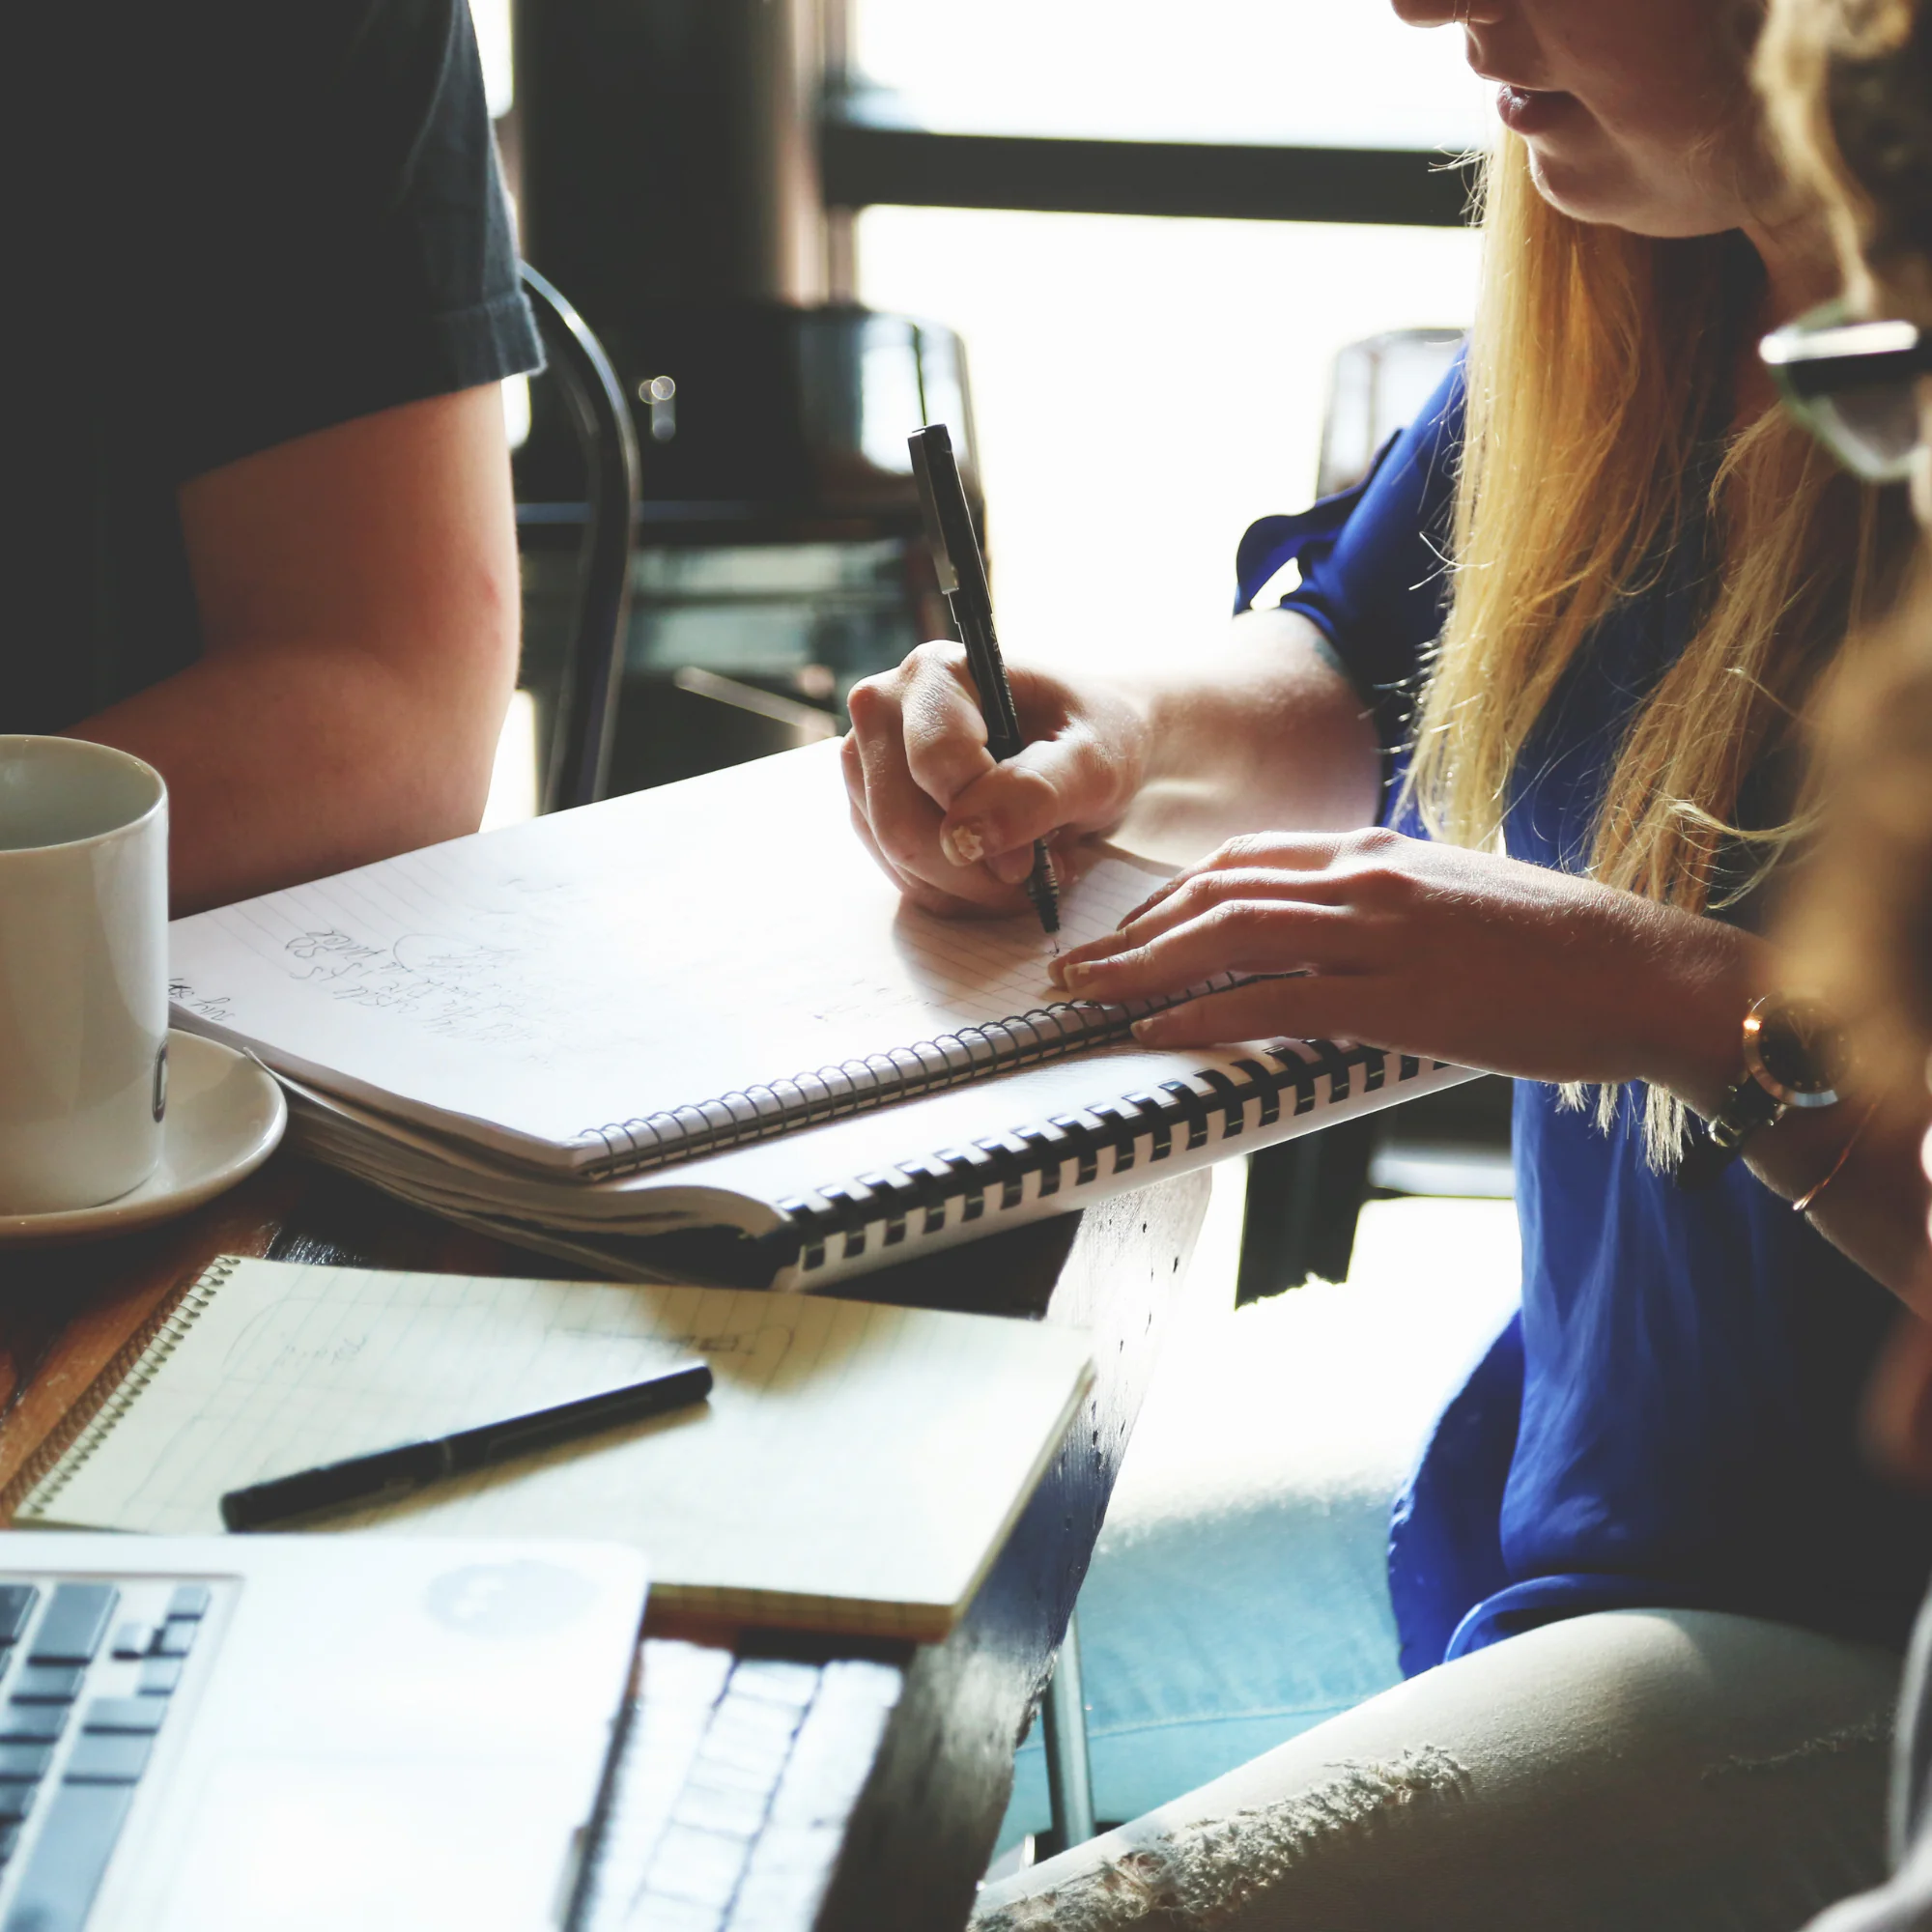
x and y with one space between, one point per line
1851 384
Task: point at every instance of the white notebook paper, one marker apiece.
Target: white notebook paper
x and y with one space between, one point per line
537 985
856 1469
704 1010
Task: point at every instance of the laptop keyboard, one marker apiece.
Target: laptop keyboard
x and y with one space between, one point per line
88 1672
731 1793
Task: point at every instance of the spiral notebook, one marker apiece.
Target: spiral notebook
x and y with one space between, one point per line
704 1007
770 1503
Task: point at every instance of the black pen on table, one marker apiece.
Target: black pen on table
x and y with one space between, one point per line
413 1465
962 576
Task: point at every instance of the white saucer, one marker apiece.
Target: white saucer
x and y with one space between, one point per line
225 1116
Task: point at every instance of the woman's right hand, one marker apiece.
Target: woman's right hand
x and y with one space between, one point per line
954 830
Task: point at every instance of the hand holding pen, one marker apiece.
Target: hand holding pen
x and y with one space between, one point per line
962 576
956 828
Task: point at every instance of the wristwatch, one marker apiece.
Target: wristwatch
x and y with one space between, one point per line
1794 1056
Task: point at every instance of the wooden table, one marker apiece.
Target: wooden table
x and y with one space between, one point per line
770 1783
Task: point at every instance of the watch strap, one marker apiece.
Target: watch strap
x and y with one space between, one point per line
1746 1108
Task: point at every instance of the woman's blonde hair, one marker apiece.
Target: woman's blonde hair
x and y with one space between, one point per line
1860 928
1849 88
1599 372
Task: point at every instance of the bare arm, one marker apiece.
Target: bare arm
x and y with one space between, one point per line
1686 1002
1523 970
1874 1208
1256 727
1268 731
359 600
1873 1200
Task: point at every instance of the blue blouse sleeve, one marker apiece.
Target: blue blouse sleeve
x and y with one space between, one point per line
1374 575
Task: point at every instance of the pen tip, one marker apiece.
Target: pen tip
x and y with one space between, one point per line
1043 890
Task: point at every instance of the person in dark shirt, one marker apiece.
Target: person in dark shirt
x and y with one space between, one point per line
261 532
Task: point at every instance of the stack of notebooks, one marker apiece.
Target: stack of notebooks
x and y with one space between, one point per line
695 1031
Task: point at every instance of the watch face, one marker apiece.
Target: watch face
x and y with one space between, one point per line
1795 1049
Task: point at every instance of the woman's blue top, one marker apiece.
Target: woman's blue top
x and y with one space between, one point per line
1672 1418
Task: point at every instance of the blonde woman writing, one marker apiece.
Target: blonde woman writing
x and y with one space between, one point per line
1650 1601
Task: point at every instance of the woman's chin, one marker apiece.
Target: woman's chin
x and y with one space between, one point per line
1604 190
1576 188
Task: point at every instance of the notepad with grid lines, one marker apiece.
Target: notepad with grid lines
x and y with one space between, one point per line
704 1007
856 1470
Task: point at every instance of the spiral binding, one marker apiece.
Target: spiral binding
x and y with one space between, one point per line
859 1085
149 1354
1176 1119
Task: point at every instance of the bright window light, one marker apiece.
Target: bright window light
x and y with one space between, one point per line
516 411
492 18
1144 389
1320 73
513 781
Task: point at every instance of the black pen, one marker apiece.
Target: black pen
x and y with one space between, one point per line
962 576
410 1465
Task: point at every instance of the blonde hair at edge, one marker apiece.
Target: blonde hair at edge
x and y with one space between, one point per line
1862 928
1888 272
1592 366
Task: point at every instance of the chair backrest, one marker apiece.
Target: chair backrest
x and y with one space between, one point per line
578 754
1378 386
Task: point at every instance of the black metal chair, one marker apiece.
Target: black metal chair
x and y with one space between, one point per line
575 761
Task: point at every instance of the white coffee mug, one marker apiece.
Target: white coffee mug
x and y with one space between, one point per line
83 972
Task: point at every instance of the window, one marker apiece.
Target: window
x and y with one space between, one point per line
1302 73
1143 386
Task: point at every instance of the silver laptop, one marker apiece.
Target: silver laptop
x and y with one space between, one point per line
207 1734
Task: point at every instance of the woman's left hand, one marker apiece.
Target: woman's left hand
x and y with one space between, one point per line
1437 951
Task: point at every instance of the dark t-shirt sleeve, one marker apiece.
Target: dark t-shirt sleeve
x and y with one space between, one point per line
240 223
338 240
1373 575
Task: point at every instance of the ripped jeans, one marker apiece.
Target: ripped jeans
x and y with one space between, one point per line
1662 1770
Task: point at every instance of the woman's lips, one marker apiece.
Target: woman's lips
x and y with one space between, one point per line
1528 110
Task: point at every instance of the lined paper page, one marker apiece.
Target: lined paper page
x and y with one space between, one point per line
598 966
856 1466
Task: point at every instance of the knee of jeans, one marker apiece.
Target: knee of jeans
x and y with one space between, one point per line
1200 1876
